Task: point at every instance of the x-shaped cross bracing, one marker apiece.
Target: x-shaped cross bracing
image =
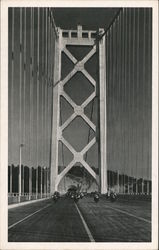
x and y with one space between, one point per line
78 111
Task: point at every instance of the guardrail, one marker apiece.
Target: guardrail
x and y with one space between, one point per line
133 196
14 198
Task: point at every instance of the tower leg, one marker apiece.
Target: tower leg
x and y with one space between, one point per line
102 104
55 122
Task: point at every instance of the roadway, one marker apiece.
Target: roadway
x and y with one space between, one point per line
64 221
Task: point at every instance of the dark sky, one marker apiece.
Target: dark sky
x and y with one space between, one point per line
89 18
128 89
65 18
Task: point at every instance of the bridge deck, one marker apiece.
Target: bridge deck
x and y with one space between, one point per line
108 222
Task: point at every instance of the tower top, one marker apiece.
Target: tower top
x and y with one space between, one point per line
79 35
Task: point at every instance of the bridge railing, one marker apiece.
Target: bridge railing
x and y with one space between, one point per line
14 198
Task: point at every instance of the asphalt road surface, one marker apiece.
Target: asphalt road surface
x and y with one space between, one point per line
87 221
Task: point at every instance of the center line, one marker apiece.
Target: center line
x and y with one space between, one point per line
85 225
25 218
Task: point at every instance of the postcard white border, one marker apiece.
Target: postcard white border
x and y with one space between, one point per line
4 125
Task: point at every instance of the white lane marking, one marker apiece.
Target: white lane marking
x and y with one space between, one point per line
25 218
85 225
132 215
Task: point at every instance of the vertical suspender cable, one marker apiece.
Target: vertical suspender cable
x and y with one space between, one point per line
45 94
24 89
30 90
133 95
48 94
116 98
108 102
32 101
147 103
12 93
126 149
127 100
150 93
114 95
108 98
51 105
37 134
43 84
117 101
24 80
32 104
48 84
51 96
137 100
20 99
107 62
12 99
143 101
12 85
46 34
113 99
30 94
124 104
43 87
146 111
124 70
20 80
31 83
129 94
122 96
47 99
121 99
37 109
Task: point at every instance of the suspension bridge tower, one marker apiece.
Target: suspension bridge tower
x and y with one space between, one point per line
80 38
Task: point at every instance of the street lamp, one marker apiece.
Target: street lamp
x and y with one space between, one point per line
20 163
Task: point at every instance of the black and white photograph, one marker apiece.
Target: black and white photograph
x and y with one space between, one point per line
80 152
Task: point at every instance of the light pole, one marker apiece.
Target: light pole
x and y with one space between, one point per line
20 163
118 184
41 182
45 181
